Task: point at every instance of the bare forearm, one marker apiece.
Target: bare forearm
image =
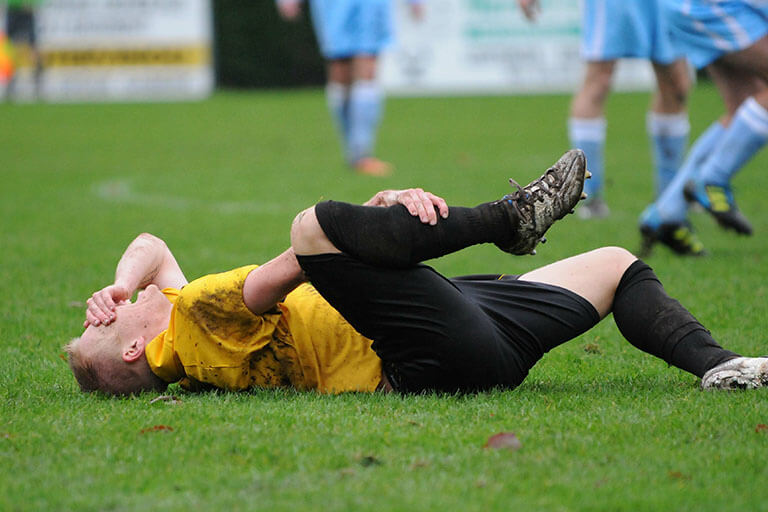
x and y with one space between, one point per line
140 263
270 283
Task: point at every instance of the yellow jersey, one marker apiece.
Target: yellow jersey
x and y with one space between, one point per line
214 339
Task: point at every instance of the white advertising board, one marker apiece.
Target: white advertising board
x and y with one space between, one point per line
488 47
123 50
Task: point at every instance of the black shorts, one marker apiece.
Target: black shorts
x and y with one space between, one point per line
470 333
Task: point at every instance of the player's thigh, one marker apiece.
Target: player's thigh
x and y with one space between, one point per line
421 324
753 59
593 275
384 303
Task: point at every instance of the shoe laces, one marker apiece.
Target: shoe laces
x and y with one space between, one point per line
540 187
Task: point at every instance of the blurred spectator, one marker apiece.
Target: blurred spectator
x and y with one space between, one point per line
351 34
22 34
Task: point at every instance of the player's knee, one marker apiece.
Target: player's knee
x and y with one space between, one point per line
307 237
674 95
598 84
615 260
301 229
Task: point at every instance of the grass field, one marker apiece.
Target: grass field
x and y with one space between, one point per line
608 428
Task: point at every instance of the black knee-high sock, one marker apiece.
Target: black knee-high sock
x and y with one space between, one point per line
656 323
392 237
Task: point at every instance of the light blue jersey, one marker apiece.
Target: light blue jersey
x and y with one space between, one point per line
708 29
613 29
346 28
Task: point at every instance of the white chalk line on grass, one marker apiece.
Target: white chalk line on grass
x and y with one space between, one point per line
122 191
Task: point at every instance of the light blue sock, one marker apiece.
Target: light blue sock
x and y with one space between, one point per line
669 137
365 106
745 136
671 205
337 99
589 136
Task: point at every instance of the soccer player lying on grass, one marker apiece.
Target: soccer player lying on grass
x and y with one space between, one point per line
374 318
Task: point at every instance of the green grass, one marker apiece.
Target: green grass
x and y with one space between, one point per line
221 181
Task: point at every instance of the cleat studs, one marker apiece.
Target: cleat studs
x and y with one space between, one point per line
583 195
572 211
533 252
543 240
587 174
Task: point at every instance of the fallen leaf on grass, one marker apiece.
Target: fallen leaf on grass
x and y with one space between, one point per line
592 348
171 399
369 460
761 427
677 475
503 440
157 428
63 357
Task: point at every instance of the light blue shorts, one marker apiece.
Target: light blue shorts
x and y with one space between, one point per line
613 29
708 29
346 28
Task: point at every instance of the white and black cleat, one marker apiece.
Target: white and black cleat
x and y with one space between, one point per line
738 373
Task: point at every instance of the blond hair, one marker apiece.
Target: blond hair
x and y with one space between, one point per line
103 369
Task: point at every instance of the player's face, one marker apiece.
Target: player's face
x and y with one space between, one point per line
147 316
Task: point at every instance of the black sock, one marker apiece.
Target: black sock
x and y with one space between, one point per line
392 237
657 324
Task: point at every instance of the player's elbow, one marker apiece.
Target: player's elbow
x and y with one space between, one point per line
150 238
152 243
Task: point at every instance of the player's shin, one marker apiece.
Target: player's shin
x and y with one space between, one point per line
392 237
657 324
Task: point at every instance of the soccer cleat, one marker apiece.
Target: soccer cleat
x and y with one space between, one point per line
678 236
534 208
594 208
738 373
719 202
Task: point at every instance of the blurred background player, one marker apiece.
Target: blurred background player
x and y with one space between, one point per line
351 34
729 39
22 33
614 29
